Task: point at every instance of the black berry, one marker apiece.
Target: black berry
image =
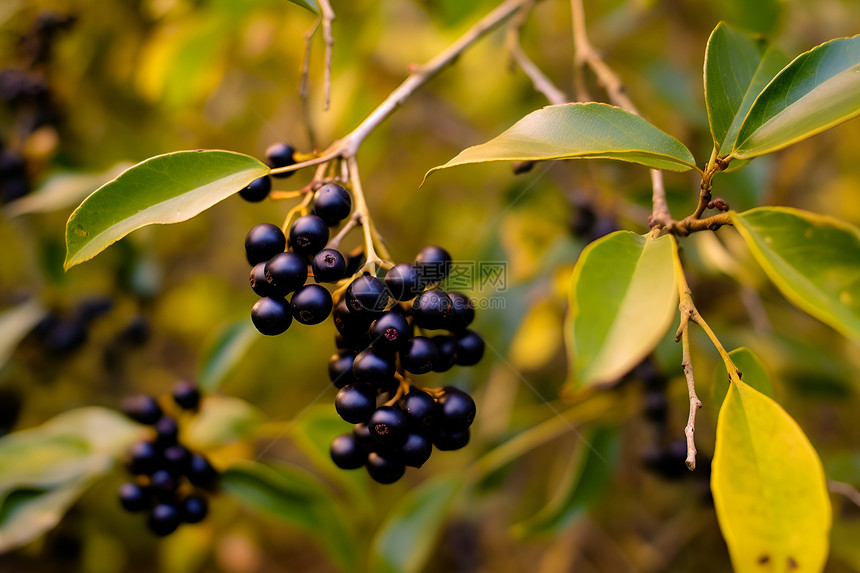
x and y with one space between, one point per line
285 273
350 324
347 453
355 402
340 369
328 266
193 509
415 450
390 331
164 519
259 284
201 473
144 458
308 235
419 355
420 407
257 190
432 310
470 348
332 203
263 242
176 459
371 366
141 408
449 441
362 436
456 410
446 353
434 264
186 394
464 311
389 425
271 316
311 304
163 484
280 155
166 432
133 497
366 294
403 281
383 470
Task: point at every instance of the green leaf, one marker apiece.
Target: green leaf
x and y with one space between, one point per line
753 373
812 259
586 479
163 189
769 488
44 470
221 356
295 497
308 4
222 420
737 67
581 131
816 91
409 533
15 324
623 298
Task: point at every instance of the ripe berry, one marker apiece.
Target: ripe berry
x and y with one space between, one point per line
355 402
448 441
186 394
373 367
383 470
362 436
329 266
144 458
366 294
201 473
311 304
263 242
434 264
332 203
403 281
432 310
285 273
464 311
141 408
340 369
415 451
390 331
164 519
259 284
133 497
347 453
176 459
271 316
446 353
166 432
350 324
308 235
257 190
456 410
389 425
163 484
193 509
420 408
470 348
280 155
419 355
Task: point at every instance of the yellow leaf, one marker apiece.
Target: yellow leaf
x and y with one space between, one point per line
537 340
769 487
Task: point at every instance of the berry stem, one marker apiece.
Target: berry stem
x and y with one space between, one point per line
351 224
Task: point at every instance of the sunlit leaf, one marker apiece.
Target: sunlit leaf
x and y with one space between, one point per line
221 421
583 483
623 298
295 497
769 487
308 4
737 68
814 261
44 470
753 373
581 131
15 324
816 91
226 350
410 531
163 189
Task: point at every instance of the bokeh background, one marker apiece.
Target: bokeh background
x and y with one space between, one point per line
89 87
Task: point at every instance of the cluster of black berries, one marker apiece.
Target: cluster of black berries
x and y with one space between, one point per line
378 348
163 465
280 268
277 155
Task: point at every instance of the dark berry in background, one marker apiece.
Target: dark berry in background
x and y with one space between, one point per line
470 348
257 190
355 402
201 473
133 497
332 203
464 311
193 509
263 242
340 369
280 155
347 453
164 519
384 470
456 410
418 355
141 408
186 394
446 353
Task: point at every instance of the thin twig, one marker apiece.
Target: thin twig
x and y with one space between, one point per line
328 17
351 224
540 81
846 490
695 403
303 84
